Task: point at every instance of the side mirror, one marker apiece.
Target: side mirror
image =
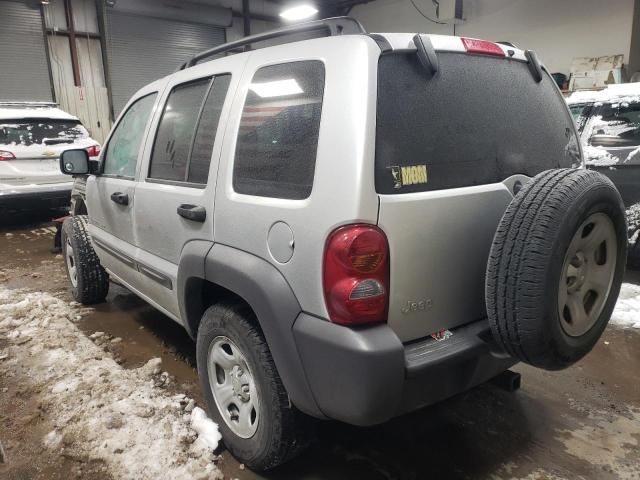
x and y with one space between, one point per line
74 162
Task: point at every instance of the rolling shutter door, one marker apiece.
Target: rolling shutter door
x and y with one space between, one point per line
144 49
24 73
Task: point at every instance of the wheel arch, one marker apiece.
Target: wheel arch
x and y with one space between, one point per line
210 273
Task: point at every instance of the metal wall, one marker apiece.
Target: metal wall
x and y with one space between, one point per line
142 49
24 74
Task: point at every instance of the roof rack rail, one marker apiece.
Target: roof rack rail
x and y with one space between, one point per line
331 26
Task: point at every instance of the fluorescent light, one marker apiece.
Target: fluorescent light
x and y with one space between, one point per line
299 12
277 88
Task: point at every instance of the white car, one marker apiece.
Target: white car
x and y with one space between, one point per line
32 137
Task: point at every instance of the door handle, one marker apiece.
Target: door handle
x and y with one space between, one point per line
120 198
195 213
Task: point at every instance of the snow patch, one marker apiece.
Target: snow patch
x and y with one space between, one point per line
627 311
598 156
206 428
620 93
110 414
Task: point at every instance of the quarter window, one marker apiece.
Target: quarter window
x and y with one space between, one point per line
279 128
121 155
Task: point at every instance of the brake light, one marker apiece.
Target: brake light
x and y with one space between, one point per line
356 275
473 45
6 155
93 150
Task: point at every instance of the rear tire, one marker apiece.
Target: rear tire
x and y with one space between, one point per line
89 281
243 360
556 266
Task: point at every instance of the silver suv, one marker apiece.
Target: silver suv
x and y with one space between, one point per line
352 226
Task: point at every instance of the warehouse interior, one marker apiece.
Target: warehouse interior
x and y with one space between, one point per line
113 389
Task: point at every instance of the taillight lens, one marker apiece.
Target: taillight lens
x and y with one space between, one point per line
356 275
93 150
473 45
6 155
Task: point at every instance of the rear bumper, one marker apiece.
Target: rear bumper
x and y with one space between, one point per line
27 196
367 376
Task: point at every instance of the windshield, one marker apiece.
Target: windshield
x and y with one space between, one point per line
42 131
616 124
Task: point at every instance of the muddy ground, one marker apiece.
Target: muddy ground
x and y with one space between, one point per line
583 422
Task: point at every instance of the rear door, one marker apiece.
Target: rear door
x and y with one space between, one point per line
450 148
111 195
175 196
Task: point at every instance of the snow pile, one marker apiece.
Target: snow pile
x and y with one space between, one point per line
627 311
620 93
100 410
598 157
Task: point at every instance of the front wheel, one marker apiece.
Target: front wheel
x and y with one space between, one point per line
89 281
244 392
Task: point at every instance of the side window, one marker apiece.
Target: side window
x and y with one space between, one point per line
175 131
182 151
278 136
122 151
202 148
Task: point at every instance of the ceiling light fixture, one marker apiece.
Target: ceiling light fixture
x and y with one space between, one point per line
299 12
277 88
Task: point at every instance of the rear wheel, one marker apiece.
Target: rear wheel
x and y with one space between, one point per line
243 390
89 281
556 266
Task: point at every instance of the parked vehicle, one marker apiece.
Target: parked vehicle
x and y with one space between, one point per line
351 227
32 136
609 124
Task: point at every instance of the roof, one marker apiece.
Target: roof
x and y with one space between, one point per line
623 92
16 110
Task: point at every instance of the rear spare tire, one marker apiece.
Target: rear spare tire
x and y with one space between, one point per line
555 267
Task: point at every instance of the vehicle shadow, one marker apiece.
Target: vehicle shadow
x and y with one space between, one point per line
13 219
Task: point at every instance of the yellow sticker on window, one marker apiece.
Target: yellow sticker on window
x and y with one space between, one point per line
409 175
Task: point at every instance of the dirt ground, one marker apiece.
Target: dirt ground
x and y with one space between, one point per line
583 422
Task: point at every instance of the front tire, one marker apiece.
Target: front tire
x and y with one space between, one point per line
243 391
89 281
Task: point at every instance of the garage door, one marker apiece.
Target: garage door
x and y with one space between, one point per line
24 74
143 49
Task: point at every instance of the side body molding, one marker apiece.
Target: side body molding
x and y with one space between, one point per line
264 288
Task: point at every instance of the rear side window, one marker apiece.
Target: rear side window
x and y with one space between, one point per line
477 121
279 128
200 158
184 142
175 131
121 155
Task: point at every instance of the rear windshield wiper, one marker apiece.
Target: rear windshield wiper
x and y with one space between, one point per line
426 53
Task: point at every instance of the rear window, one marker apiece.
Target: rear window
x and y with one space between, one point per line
479 120
41 131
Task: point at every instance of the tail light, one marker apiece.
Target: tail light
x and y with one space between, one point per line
93 150
483 47
6 155
356 275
